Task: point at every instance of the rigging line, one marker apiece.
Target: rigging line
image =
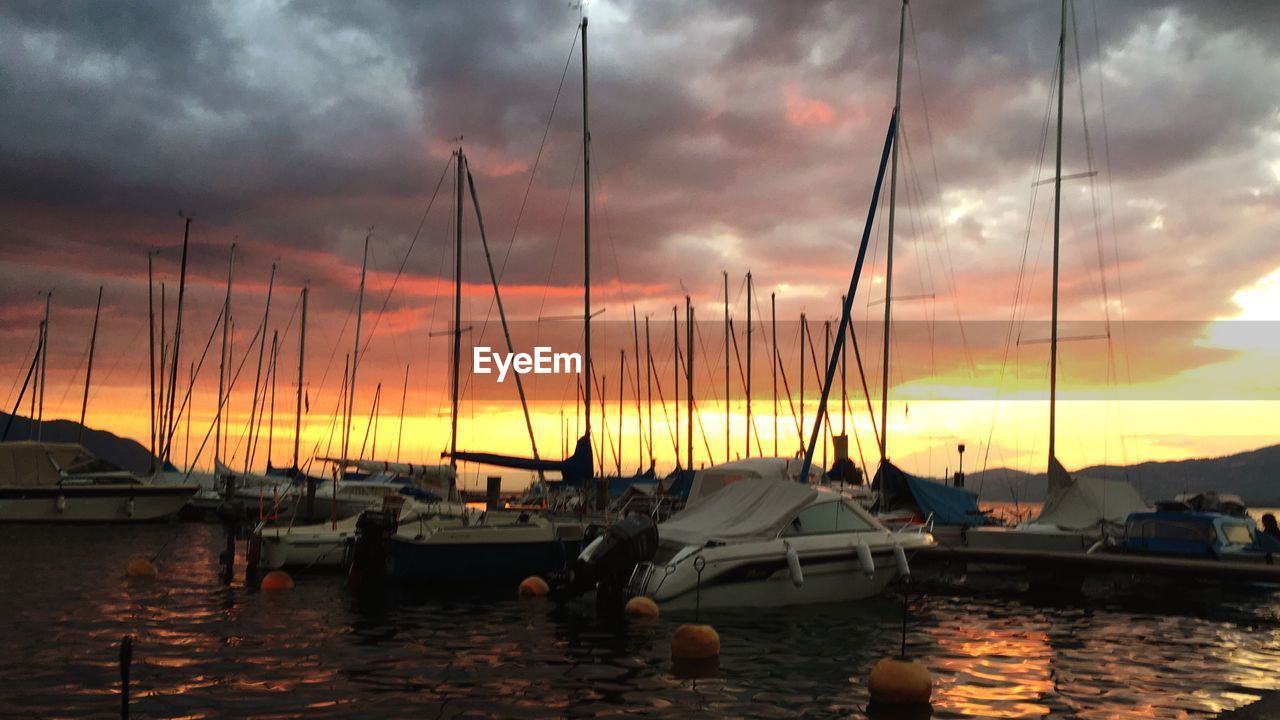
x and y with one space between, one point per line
573 183
814 356
663 401
597 179
1022 267
702 346
742 375
245 358
515 228
538 158
782 370
186 398
862 375
404 261
14 387
937 183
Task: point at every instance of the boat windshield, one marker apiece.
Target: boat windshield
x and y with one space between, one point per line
1237 533
827 517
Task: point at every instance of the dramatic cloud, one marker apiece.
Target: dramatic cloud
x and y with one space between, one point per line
726 136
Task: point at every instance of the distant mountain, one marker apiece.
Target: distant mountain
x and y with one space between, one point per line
124 452
1253 475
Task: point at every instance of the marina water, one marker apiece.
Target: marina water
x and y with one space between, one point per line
204 650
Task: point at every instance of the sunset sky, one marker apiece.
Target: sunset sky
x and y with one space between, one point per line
726 137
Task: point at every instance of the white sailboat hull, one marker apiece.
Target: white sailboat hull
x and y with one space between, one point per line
93 503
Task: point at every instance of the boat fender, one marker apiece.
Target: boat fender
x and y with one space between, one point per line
128 508
900 557
61 503
867 562
793 562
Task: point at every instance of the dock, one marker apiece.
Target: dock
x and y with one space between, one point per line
1111 562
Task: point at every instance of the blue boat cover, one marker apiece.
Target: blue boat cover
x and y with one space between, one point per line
575 469
948 505
679 482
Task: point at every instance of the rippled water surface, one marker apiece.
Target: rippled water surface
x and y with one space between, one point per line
203 650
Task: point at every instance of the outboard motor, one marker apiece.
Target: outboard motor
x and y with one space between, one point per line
607 563
367 558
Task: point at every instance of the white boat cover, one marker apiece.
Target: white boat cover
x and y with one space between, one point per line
707 481
750 509
1088 503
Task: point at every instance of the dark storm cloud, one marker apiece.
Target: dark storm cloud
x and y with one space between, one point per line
725 135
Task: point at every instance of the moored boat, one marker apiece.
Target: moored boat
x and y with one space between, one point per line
64 482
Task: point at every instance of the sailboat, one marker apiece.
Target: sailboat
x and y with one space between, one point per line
1079 513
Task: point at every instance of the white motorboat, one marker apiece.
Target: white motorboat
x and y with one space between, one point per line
64 482
771 542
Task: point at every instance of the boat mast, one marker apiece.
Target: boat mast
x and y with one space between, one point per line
44 363
88 373
257 378
404 395
586 237
226 323
1057 210
635 331
302 354
151 367
748 379
688 366
727 451
271 417
177 339
502 315
351 378
773 322
648 382
455 369
675 367
888 268
804 330
622 375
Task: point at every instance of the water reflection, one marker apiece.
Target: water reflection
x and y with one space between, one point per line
204 650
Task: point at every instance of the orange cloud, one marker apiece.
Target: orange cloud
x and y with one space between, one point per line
803 111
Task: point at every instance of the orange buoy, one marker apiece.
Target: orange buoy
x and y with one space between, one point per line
641 607
900 682
533 587
141 569
277 580
695 642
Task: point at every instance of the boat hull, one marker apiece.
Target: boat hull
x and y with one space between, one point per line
762 578
473 558
95 503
